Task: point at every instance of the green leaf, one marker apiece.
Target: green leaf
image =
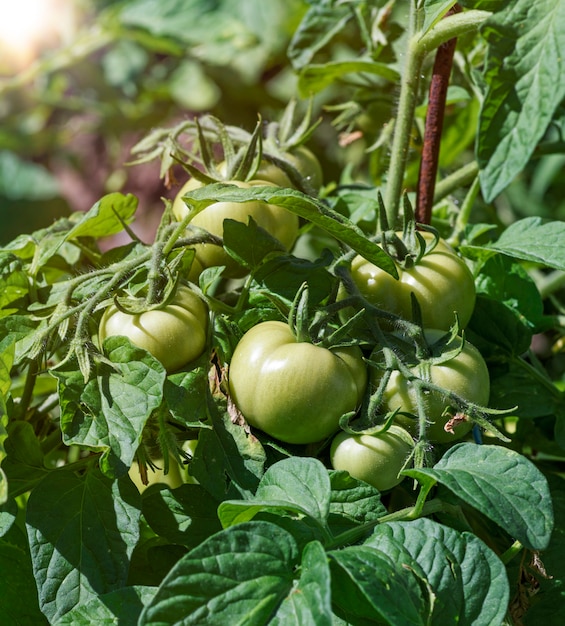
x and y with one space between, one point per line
24 462
18 593
304 206
501 484
111 410
518 384
106 217
322 22
468 580
81 531
352 502
299 486
186 515
534 239
238 576
24 180
315 78
227 459
8 512
309 601
185 393
434 10
122 607
497 329
525 85
507 281
368 587
249 244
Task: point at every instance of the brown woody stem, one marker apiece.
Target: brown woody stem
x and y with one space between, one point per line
434 125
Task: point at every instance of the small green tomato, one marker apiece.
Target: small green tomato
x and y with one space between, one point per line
374 459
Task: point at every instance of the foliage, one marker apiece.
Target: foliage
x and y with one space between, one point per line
261 531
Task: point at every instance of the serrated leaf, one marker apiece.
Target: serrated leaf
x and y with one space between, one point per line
309 601
238 576
111 410
81 531
248 243
368 587
302 205
299 486
18 594
468 580
502 485
106 217
525 85
534 239
122 607
185 515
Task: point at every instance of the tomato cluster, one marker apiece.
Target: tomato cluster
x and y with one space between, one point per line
415 379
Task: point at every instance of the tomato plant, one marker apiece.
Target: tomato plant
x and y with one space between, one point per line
318 492
293 390
175 333
376 459
456 370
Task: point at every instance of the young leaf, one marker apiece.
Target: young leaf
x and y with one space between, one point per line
534 239
111 410
525 85
249 244
315 78
238 576
468 580
106 217
434 10
501 484
81 531
368 587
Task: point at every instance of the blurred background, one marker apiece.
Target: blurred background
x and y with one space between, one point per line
81 81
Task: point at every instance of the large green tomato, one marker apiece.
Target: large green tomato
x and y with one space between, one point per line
174 334
441 282
375 459
303 160
294 391
277 221
465 374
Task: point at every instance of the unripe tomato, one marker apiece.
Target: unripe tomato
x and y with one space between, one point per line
172 479
294 391
465 374
277 221
303 160
174 334
375 459
441 282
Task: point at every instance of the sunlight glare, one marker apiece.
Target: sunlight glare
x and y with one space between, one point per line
26 27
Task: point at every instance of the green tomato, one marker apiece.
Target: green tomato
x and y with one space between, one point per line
294 391
375 459
174 334
465 374
441 282
303 160
277 221
156 476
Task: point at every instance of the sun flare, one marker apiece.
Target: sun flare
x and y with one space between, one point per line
27 27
